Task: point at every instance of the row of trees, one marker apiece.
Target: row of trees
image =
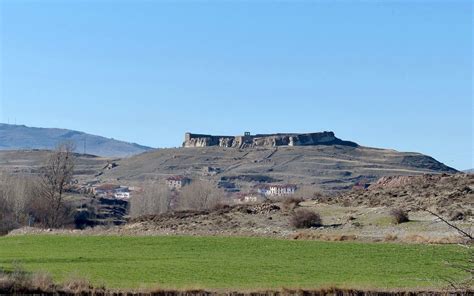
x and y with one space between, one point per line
39 199
157 198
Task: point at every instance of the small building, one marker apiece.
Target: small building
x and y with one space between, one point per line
177 182
282 189
262 189
276 189
122 195
111 191
250 197
105 190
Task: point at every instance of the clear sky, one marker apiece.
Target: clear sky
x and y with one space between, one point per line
381 73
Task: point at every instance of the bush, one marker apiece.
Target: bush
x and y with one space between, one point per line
84 218
76 284
200 195
399 216
16 194
290 203
42 281
155 199
303 218
308 193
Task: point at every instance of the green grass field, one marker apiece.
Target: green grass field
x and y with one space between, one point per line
223 262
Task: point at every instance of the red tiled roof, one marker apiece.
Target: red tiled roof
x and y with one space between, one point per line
107 187
176 178
283 185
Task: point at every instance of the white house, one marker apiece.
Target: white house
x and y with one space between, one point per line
277 189
122 195
251 197
177 182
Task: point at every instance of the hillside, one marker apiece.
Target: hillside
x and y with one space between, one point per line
449 195
329 167
20 137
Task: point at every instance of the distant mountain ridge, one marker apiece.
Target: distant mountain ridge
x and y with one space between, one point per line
21 137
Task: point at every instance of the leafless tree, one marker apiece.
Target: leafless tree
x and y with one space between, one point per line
155 199
308 192
16 193
199 195
56 177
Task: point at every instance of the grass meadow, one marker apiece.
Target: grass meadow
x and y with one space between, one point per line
179 262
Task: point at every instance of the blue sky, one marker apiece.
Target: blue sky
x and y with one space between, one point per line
384 74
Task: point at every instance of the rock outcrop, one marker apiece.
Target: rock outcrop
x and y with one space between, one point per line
264 140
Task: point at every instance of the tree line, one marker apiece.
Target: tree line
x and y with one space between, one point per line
39 199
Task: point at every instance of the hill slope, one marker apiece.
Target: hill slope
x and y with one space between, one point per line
332 167
20 137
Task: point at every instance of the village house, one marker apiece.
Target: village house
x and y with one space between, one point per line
122 195
111 191
280 190
276 189
177 182
250 197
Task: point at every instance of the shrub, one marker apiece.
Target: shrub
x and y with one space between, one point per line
20 279
42 280
200 195
303 218
308 193
399 216
155 199
291 203
457 216
76 284
390 237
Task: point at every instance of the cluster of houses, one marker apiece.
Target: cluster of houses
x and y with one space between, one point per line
260 192
112 191
265 191
175 183
276 189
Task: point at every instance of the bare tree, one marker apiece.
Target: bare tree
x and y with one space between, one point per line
308 192
16 193
56 177
155 199
200 195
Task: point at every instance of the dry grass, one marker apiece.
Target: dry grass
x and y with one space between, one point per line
76 284
291 203
421 239
20 281
42 281
79 287
390 237
413 238
307 235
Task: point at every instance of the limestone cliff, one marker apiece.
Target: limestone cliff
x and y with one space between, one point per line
265 140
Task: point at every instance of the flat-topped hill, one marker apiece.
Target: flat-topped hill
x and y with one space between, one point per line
331 167
264 140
